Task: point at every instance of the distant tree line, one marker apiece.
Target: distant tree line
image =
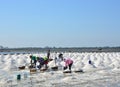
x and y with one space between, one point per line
62 49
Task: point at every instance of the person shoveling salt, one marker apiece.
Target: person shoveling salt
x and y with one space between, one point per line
57 63
55 67
68 63
33 61
43 61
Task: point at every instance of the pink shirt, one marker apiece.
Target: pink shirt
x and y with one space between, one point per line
68 61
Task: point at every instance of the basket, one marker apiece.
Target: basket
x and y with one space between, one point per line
79 71
31 66
22 67
43 69
54 68
33 70
50 60
67 72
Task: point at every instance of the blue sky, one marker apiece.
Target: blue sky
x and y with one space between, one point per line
59 23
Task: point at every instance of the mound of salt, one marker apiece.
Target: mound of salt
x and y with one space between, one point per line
21 62
79 65
51 63
89 67
10 65
115 64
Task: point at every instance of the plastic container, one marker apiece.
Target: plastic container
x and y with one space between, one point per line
25 75
18 77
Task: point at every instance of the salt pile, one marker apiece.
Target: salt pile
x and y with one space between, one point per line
105 67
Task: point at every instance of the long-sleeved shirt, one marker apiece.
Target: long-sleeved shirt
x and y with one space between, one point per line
68 61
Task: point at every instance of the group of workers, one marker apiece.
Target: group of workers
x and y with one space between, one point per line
43 61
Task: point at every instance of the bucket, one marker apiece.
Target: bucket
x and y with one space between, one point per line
18 77
25 75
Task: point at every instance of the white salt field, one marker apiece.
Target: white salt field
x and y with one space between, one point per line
104 71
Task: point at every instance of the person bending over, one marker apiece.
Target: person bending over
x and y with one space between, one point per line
42 61
68 63
33 59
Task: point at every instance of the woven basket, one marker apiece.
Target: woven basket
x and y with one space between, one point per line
54 68
22 67
67 72
43 69
33 70
79 71
50 59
